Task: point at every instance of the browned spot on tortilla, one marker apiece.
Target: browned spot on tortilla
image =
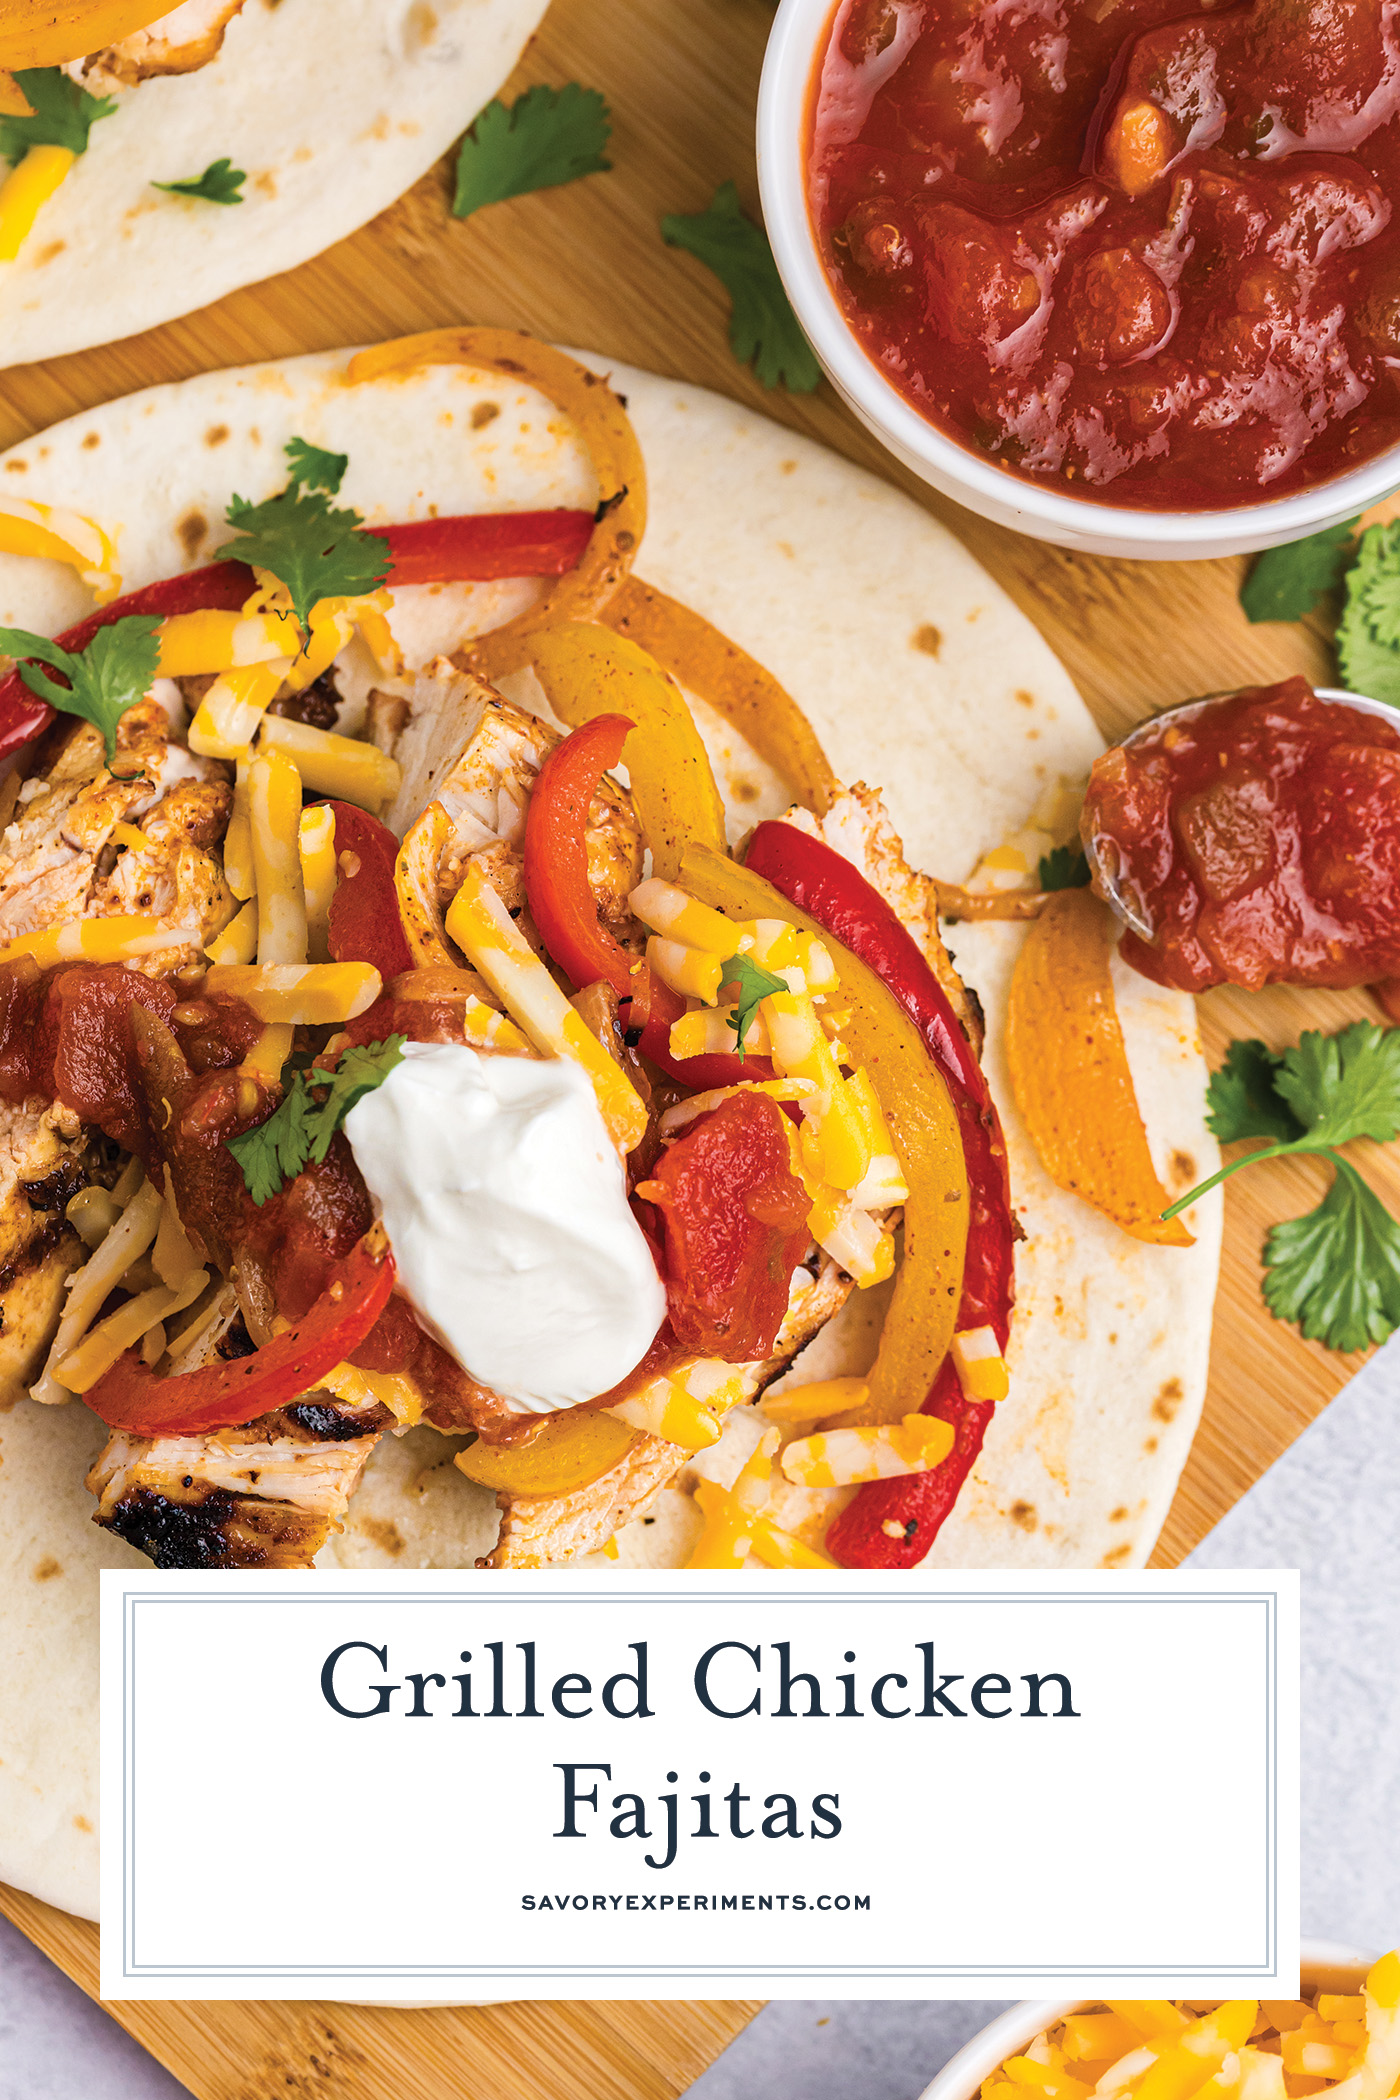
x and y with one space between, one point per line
17 466
47 1568
385 1534
1184 1169
190 531
1119 1553
927 639
49 254
1167 1402
1023 1513
422 23
379 129
1118 1516
266 182
82 1823
216 434
1112 1338
1151 1444
788 466
785 547
92 441
1023 697
745 791
485 412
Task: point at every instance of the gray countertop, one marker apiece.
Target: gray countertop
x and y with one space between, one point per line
1328 1507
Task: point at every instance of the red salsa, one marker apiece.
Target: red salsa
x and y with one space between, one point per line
1256 840
1139 250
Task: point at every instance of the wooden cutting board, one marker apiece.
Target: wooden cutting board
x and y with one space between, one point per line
586 265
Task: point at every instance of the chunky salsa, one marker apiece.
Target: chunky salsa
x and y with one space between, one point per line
1255 840
1139 250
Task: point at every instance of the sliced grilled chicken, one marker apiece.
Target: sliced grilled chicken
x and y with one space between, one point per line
538 1531
184 41
266 1496
58 858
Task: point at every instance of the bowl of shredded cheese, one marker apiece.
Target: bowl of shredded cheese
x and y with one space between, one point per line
1340 2037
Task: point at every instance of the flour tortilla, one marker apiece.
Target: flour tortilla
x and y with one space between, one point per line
332 107
920 677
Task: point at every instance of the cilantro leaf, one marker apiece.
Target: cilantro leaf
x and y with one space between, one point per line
1285 583
301 1127
1243 1097
1344 1086
1368 636
762 325
278 1149
314 551
310 468
221 183
1063 868
748 984
548 136
1337 1270
64 114
117 668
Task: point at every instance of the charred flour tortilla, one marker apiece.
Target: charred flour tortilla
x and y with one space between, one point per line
333 108
919 677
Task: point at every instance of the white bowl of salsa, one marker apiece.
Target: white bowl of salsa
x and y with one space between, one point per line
892 310
1325 1967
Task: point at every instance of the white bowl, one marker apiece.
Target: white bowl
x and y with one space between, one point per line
798 35
1323 1962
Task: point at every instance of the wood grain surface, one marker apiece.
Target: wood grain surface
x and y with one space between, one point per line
585 265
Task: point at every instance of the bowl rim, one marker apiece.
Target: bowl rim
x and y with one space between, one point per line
799 30
963 2073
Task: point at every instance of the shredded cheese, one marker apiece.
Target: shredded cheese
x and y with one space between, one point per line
121 1330
775 1547
231 712
118 939
274 817
238 943
729 1521
487 935
887 1451
316 844
62 535
980 1365
664 909
89 1286
298 995
343 766
685 1406
693 972
195 643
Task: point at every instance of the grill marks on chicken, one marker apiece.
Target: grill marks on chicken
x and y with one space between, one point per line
266 1496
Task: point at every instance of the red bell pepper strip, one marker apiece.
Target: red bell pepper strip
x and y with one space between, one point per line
822 883
130 1397
364 923
474 549
562 907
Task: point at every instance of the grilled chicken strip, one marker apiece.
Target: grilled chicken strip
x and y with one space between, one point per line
267 1496
184 41
45 1158
538 1531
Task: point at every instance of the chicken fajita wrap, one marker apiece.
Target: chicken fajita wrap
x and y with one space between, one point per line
524 894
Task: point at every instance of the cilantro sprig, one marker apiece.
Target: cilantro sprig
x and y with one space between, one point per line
1285 583
746 984
1335 1271
221 183
313 550
547 137
63 114
1063 868
302 1126
115 671
762 325
1368 637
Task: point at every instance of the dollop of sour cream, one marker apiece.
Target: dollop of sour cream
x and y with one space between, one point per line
506 1206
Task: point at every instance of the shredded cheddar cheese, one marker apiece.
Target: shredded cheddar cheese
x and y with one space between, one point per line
299 995
120 938
49 534
889 1451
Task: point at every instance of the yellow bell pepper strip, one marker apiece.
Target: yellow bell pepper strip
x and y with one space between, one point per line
879 1451
775 1547
66 29
571 1450
588 671
1069 1070
487 935
893 1524
818 1402
595 411
49 534
24 192
727 1537
1379 2069
920 1323
718 672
